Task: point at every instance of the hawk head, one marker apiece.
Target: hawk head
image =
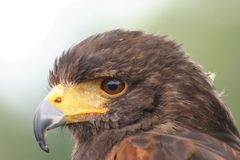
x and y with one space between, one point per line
131 81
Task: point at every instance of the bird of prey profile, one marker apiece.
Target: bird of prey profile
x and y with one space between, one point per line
129 95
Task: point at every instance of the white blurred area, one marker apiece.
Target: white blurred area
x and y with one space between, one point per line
25 24
33 33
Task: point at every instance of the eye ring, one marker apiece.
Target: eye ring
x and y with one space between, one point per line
112 86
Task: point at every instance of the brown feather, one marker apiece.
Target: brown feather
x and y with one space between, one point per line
182 144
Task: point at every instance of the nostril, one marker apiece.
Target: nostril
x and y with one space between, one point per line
58 100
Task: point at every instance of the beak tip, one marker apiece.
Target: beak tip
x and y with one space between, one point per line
44 147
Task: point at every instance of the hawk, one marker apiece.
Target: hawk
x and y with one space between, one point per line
129 95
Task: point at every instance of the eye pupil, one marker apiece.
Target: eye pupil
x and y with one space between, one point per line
113 86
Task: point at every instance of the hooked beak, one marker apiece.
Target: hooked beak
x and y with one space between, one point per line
47 117
67 105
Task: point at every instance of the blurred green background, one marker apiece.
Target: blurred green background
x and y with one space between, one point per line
208 30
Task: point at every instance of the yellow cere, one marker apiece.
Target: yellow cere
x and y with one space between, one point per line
79 101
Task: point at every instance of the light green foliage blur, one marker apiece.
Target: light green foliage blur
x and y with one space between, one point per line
208 30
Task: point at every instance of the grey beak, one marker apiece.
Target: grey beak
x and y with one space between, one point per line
46 117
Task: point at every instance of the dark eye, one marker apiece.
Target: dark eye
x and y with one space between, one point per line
113 86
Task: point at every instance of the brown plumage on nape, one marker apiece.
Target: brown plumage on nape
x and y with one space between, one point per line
169 109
